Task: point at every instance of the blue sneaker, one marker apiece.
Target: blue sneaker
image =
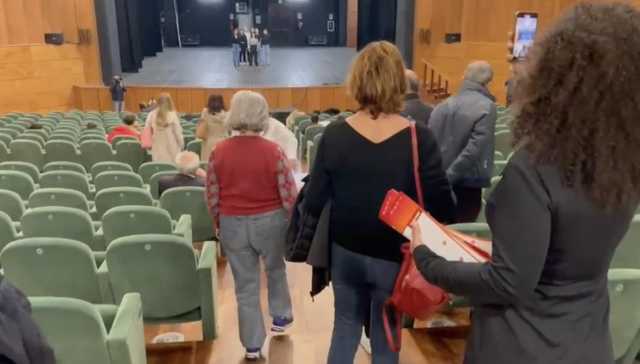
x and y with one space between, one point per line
253 355
280 325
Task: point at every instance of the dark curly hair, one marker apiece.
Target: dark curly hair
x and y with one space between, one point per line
577 102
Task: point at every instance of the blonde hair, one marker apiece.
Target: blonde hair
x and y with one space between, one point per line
377 80
249 111
165 108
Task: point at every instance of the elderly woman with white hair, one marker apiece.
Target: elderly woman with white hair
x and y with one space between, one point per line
189 173
250 192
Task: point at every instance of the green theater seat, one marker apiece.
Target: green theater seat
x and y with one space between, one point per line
133 220
190 201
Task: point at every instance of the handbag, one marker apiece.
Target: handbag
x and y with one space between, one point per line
412 294
146 139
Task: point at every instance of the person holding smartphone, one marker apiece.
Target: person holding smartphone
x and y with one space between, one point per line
118 90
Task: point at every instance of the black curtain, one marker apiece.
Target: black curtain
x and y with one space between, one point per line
131 53
149 20
376 21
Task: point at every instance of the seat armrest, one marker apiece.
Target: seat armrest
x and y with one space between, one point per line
183 228
126 337
208 280
105 284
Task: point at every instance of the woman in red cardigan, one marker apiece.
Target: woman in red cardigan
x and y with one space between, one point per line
250 193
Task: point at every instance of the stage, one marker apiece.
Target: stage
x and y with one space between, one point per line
213 68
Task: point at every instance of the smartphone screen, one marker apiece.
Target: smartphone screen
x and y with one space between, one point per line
525 33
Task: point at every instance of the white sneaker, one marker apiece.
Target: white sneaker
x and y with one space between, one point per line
253 355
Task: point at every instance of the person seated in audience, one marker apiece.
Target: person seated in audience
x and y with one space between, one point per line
358 161
414 108
565 202
91 125
276 132
128 128
189 173
34 126
150 106
165 130
211 128
291 119
331 111
315 119
250 194
464 126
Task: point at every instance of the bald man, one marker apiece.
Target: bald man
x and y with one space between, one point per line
414 108
464 126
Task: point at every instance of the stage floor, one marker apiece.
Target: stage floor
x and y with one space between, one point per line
213 67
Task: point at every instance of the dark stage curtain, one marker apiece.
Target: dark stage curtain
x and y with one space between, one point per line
149 17
138 31
376 21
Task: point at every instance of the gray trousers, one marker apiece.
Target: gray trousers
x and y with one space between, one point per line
118 106
245 240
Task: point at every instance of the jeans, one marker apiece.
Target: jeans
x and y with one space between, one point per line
118 106
243 54
235 50
360 284
265 53
253 56
245 240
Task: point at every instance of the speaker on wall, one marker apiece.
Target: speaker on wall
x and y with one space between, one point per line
54 38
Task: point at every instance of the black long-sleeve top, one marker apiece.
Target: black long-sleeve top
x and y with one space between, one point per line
356 174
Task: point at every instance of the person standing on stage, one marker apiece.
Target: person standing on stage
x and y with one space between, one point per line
266 48
235 48
254 42
243 41
118 90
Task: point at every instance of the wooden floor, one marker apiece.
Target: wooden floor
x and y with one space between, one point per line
308 342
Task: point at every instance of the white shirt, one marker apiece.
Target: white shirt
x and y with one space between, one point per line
279 134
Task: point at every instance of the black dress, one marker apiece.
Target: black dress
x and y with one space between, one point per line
543 299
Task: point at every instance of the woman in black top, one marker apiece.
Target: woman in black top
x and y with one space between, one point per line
358 161
565 201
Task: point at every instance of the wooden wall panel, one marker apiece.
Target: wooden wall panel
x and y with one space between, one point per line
193 100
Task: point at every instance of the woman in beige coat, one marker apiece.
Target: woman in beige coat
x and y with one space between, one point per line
166 131
211 128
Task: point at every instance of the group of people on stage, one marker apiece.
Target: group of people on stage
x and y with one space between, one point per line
251 47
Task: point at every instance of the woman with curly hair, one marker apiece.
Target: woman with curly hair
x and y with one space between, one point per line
565 202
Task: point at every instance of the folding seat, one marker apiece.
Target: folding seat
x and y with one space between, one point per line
195 146
62 197
624 317
91 137
486 192
148 169
154 181
131 152
109 198
17 127
10 132
62 137
62 222
18 182
6 139
8 232
39 132
478 230
33 137
11 204
122 138
503 141
81 333
27 151
175 286
64 166
627 254
134 220
109 167
69 180
499 167
188 138
95 152
62 151
190 201
111 179
24 167
55 267
498 156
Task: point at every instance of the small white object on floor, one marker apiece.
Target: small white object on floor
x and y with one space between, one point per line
168 338
365 343
441 322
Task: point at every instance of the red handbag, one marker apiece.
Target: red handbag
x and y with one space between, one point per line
412 294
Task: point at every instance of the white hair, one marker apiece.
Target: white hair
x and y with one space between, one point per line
249 111
479 71
187 162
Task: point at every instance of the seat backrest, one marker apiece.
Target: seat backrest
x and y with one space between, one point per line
624 316
155 180
33 137
39 132
112 179
27 151
66 179
503 141
11 203
131 152
11 132
73 328
627 254
8 231
62 151
94 151
132 220
18 182
5 138
121 138
64 166
148 169
109 198
62 137
195 146
161 268
46 197
477 230
25 167
190 201
52 267
59 222
109 166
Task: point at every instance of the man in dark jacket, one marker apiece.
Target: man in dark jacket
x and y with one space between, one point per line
189 173
244 42
464 126
117 94
413 106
